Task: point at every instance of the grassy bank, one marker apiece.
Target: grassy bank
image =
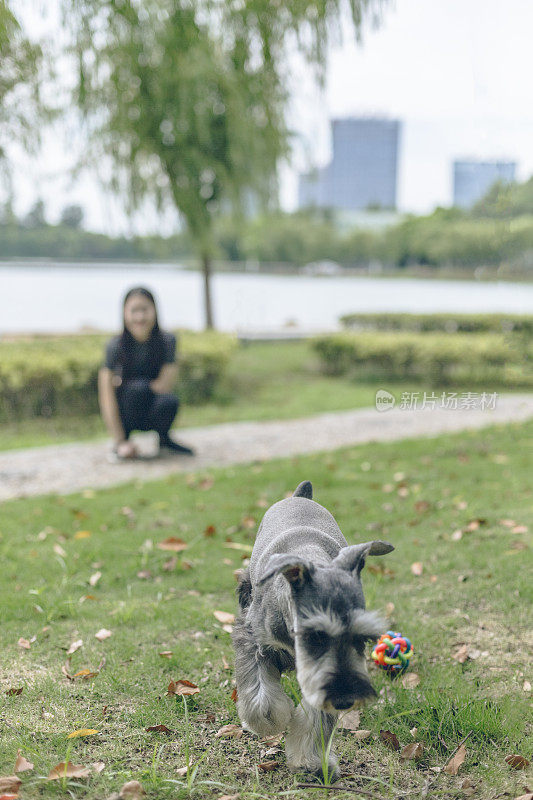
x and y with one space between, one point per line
262 381
77 564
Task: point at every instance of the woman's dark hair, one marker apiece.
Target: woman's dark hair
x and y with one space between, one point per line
127 341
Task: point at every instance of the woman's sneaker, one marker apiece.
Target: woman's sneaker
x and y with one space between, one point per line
169 447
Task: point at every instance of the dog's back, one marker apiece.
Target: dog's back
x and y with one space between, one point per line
285 529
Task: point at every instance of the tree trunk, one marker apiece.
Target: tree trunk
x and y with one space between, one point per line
206 268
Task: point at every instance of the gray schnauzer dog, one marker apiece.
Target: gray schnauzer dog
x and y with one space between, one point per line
302 607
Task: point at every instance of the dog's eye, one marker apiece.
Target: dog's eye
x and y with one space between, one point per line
317 642
359 643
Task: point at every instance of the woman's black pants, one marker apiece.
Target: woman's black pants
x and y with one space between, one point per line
141 409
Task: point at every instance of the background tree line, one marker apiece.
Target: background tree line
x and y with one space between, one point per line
498 230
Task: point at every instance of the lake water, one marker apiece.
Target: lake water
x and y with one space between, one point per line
50 298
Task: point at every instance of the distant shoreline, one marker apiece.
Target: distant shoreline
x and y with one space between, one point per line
478 274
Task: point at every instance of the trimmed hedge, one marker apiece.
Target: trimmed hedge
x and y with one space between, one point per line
449 322
57 375
474 359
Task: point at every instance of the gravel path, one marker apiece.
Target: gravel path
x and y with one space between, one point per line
71 467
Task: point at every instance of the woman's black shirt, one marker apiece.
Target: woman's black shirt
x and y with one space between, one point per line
140 357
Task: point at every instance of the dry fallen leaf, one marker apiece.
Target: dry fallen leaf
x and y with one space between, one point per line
86 674
210 531
182 687
144 574
528 796
58 550
389 739
93 580
234 695
268 766
461 654
362 734
453 765
413 751
12 691
159 729
245 548
68 770
413 732
473 525
410 680
82 535
172 543
224 616
229 797
181 771
75 646
229 732
272 741
132 790
102 634
10 784
517 762
21 764
526 688
166 654
98 766
350 721
417 568
82 732
65 670
24 643
248 522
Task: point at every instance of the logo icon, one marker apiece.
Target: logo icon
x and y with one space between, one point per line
384 400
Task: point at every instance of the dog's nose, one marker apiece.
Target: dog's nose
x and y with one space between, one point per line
342 703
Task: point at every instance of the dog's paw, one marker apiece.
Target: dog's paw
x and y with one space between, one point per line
316 768
333 772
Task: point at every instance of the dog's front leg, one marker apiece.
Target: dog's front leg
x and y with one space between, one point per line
262 705
308 739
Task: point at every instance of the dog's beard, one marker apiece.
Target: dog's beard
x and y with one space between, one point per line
315 675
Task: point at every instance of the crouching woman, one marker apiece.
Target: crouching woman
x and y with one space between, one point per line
135 386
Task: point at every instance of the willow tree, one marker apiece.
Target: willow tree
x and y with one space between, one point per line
185 99
21 110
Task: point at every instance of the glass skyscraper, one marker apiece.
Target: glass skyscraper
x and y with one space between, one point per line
363 171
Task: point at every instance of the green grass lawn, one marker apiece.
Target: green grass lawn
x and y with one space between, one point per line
279 380
474 590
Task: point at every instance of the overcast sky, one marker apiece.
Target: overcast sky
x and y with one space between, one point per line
458 73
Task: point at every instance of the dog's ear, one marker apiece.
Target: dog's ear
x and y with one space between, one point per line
296 571
352 558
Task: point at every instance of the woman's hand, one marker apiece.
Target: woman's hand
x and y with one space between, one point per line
127 449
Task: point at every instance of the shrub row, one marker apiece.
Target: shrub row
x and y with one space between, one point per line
51 376
472 359
449 322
